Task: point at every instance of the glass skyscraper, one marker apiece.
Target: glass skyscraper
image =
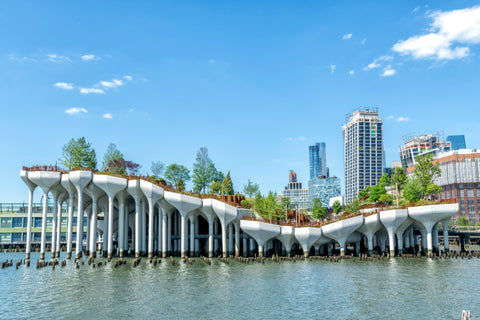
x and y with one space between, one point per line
323 189
363 150
318 160
457 142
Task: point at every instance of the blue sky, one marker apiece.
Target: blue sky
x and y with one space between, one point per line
256 83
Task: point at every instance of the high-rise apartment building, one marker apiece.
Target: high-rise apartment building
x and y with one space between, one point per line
421 145
363 150
457 142
298 196
318 160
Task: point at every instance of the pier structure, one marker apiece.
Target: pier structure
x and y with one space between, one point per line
133 215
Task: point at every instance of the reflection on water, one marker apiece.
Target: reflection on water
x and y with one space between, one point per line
395 289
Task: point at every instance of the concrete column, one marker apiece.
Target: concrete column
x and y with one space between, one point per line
176 229
29 223
121 227
164 233
210 239
237 240
54 224
183 236
424 241
370 244
252 246
435 238
407 239
197 242
260 250
138 229
357 248
151 208
110 227
143 236
446 243
93 231
88 244
230 239
245 249
127 225
44 226
391 243
79 245
70 227
224 241
400 244
215 241
330 248
105 232
192 237
59 227
429 242
169 233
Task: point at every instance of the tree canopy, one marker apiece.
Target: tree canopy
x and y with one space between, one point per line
112 154
227 186
177 175
318 211
412 192
267 207
426 172
114 162
157 168
78 154
204 172
337 207
250 189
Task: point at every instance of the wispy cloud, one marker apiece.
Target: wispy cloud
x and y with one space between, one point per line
112 84
75 111
351 72
332 68
388 71
450 34
57 58
293 139
89 57
377 63
107 116
403 119
347 36
127 77
363 41
389 117
63 85
14 57
91 90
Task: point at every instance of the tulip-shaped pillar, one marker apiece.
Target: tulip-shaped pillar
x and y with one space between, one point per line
209 214
59 223
260 231
122 198
94 193
136 192
371 224
226 214
56 191
307 237
153 193
446 242
67 185
80 179
166 212
287 238
392 219
31 188
341 230
184 204
45 180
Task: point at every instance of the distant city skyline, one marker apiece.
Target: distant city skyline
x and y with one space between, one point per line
161 80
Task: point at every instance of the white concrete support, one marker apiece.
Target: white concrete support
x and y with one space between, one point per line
245 248
287 238
110 228
224 241
137 195
446 243
159 232
371 224
93 226
44 226
230 239
176 232
252 246
210 239
237 239
59 225
152 194
122 234
341 230
54 222
192 236
164 232
215 241
89 221
424 241
143 236
197 242
183 236
260 231
80 179
392 219
169 231
435 238
31 188
399 233
71 194
127 228
307 237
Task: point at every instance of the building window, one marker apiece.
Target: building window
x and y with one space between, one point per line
470 194
17 222
37 222
471 209
462 193
6 223
16 237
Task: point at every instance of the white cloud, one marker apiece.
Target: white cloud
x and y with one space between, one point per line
351 72
107 116
63 85
450 33
389 118
296 139
403 119
127 77
112 84
377 63
332 68
88 57
75 110
211 61
363 41
57 59
416 9
388 71
131 110
14 57
347 36
91 90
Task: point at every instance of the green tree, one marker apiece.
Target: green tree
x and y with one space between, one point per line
364 194
78 154
433 189
412 191
204 171
216 187
227 186
399 179
267 207
337 207
157 168
461 222
180 185
386 199
177 175
250 189
318 211
353 206
426 172
285 203
111 155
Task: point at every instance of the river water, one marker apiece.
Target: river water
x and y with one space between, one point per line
394 289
